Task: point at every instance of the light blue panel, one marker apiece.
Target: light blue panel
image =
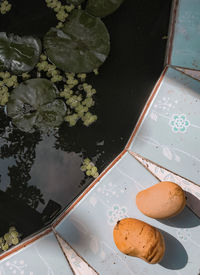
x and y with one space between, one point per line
89 226
43 257
186 42
170 132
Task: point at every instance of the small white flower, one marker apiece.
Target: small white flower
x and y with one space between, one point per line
93 201
183 234
154 116
116 213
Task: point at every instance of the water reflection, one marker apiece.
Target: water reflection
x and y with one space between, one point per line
19 149
38 177
56 172
19 173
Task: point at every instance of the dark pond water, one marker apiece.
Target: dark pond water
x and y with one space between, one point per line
40 175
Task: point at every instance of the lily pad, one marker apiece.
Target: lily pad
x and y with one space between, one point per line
75 2
34 104
82 45
102 8
19 54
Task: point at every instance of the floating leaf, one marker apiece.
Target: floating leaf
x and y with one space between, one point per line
75 2
102 8
82 45
18 54
33 105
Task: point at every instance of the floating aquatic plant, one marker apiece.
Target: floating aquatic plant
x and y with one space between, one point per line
5 7
80 46
89 168
12 237
62 11
18 54
102 8
7 81
34 105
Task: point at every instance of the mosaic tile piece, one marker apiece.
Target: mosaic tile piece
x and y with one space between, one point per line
88 227
169 133
43 257
184 37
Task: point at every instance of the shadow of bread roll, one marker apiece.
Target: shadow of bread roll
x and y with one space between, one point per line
163 200
139 239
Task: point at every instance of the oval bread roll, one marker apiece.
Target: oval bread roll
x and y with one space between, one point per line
163 200
139 239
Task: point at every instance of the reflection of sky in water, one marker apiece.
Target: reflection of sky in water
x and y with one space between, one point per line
56 173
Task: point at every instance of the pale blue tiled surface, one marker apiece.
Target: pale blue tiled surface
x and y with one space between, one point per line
43 257
186 42
88 227
160 140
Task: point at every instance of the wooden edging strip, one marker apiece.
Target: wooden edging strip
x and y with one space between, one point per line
146 107
25 243
88 189
62 216
171 31
59 219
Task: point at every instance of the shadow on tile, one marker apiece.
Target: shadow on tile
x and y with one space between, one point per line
186 219
193 201
75 231
175 256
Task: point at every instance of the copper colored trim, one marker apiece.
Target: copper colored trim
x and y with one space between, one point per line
88 189
119 156
156 164
62 216
57 235
184 68
23 245
146 107
171 32
186 72
54 224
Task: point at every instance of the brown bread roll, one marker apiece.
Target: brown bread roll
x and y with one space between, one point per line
163 200
139 239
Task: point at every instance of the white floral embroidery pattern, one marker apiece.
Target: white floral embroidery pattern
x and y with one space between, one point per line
179 123
183 234
154 116
165 175
165 104
116 213
14 267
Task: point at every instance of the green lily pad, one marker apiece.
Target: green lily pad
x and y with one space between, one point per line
34 104
82 45
102 8
75 2
19 54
